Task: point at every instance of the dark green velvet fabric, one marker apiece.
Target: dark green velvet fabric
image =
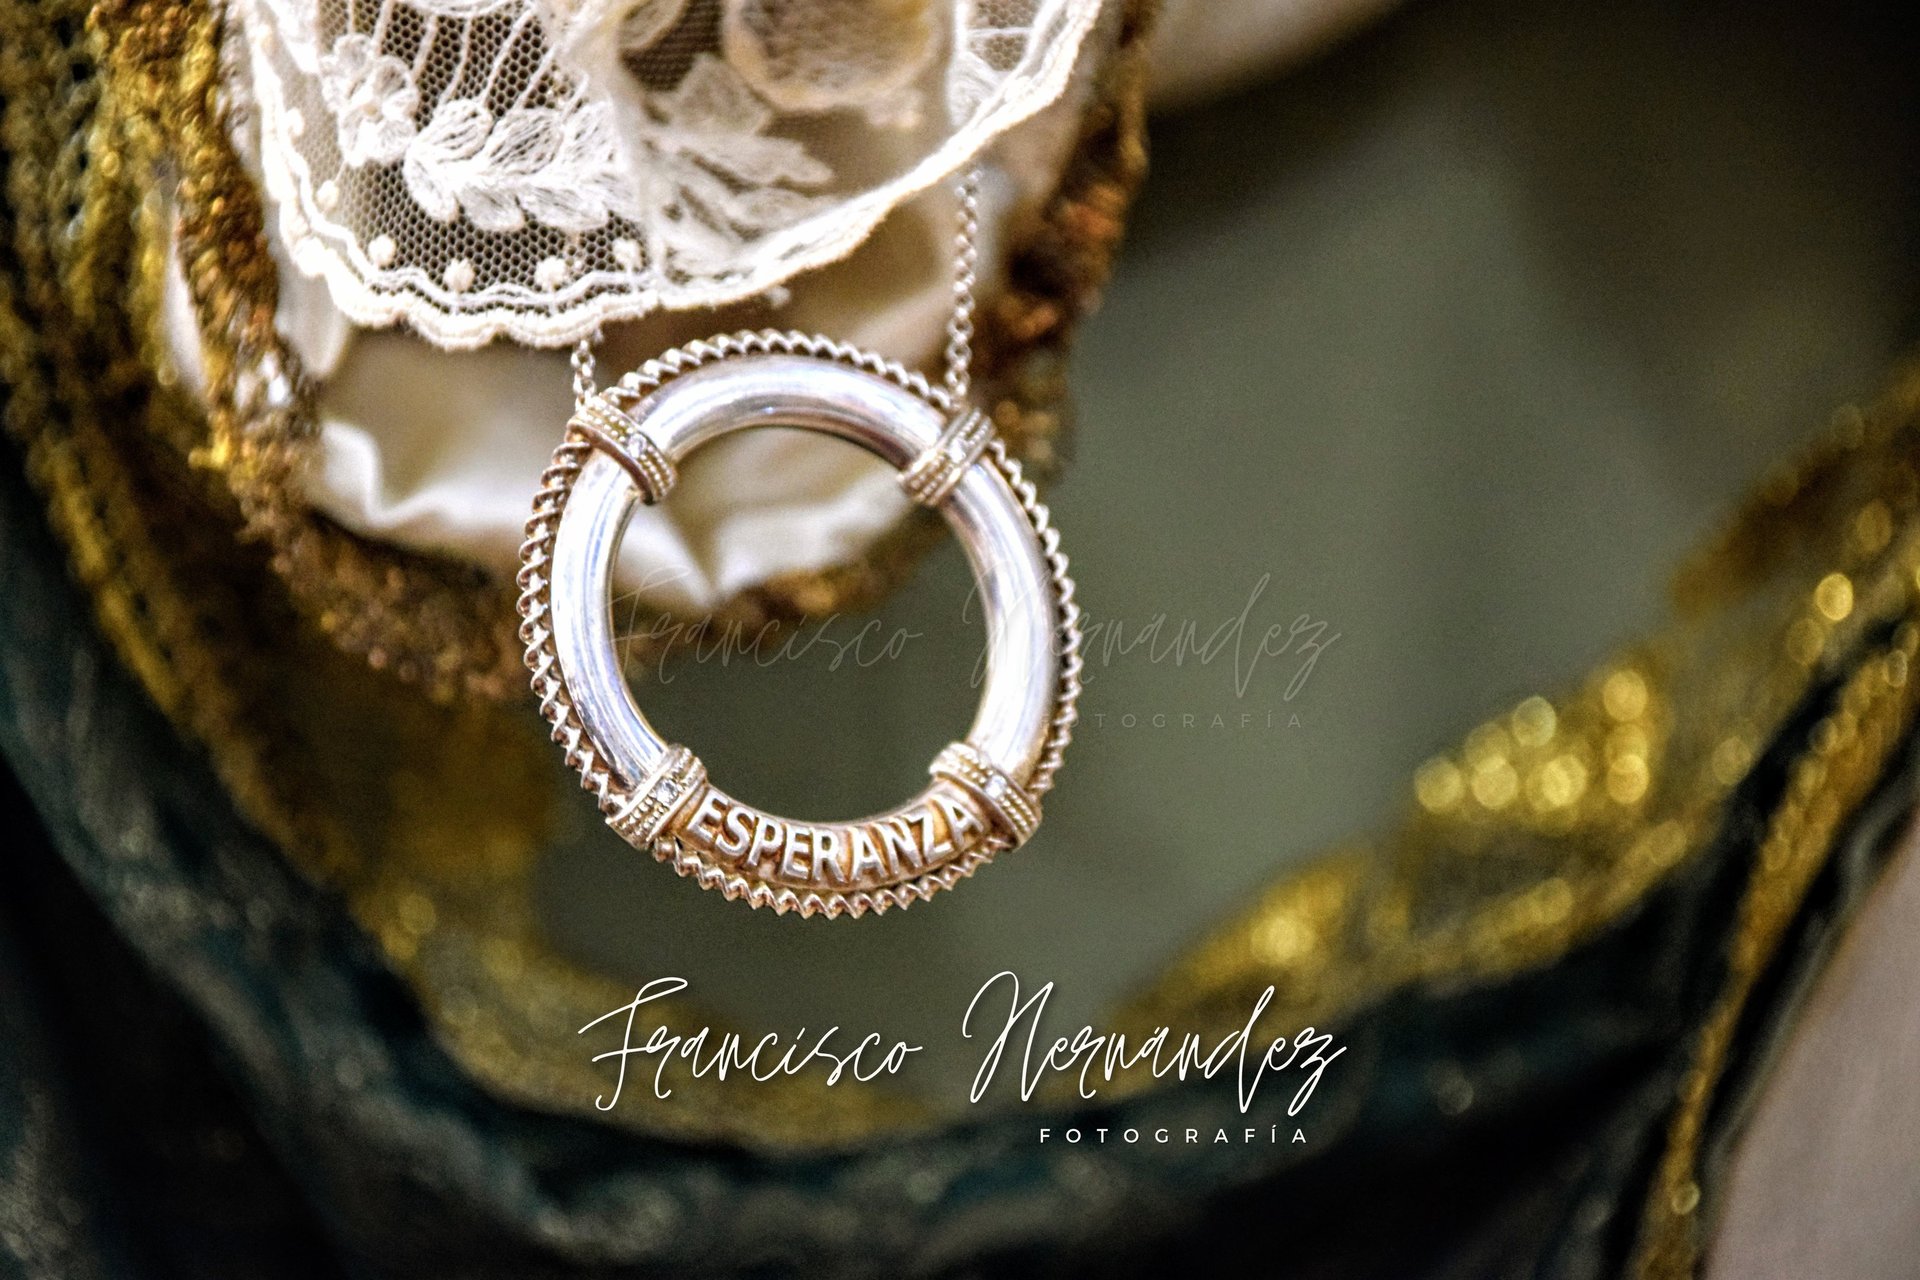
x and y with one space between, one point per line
206 1072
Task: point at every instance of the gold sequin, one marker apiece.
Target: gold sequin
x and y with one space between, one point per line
1834 597
1438 785
1533 722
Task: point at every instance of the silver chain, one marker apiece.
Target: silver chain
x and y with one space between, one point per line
966 275
583 385
966 263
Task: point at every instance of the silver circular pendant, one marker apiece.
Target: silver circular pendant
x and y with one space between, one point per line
623 446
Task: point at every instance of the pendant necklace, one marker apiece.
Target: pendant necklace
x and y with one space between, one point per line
624 445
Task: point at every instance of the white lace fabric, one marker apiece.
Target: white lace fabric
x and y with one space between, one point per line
536 169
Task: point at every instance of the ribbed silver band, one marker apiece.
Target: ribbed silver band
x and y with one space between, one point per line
929 478
661 796
611 429
1010 806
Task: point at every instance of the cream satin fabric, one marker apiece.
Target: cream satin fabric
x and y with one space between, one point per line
440 451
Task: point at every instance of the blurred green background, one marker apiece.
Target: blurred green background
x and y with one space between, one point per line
1458 338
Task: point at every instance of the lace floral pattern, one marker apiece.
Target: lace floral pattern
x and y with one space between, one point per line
535 168
372 97
531 164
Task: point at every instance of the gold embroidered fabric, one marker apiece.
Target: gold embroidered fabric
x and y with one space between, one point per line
361 779
1549 824
1555 820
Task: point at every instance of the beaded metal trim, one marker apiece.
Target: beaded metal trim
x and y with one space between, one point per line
931 476
607 425
1012 808
597 776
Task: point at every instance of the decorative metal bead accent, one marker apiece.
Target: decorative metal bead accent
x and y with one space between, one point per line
1007 802
931 476
613 430
662 796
